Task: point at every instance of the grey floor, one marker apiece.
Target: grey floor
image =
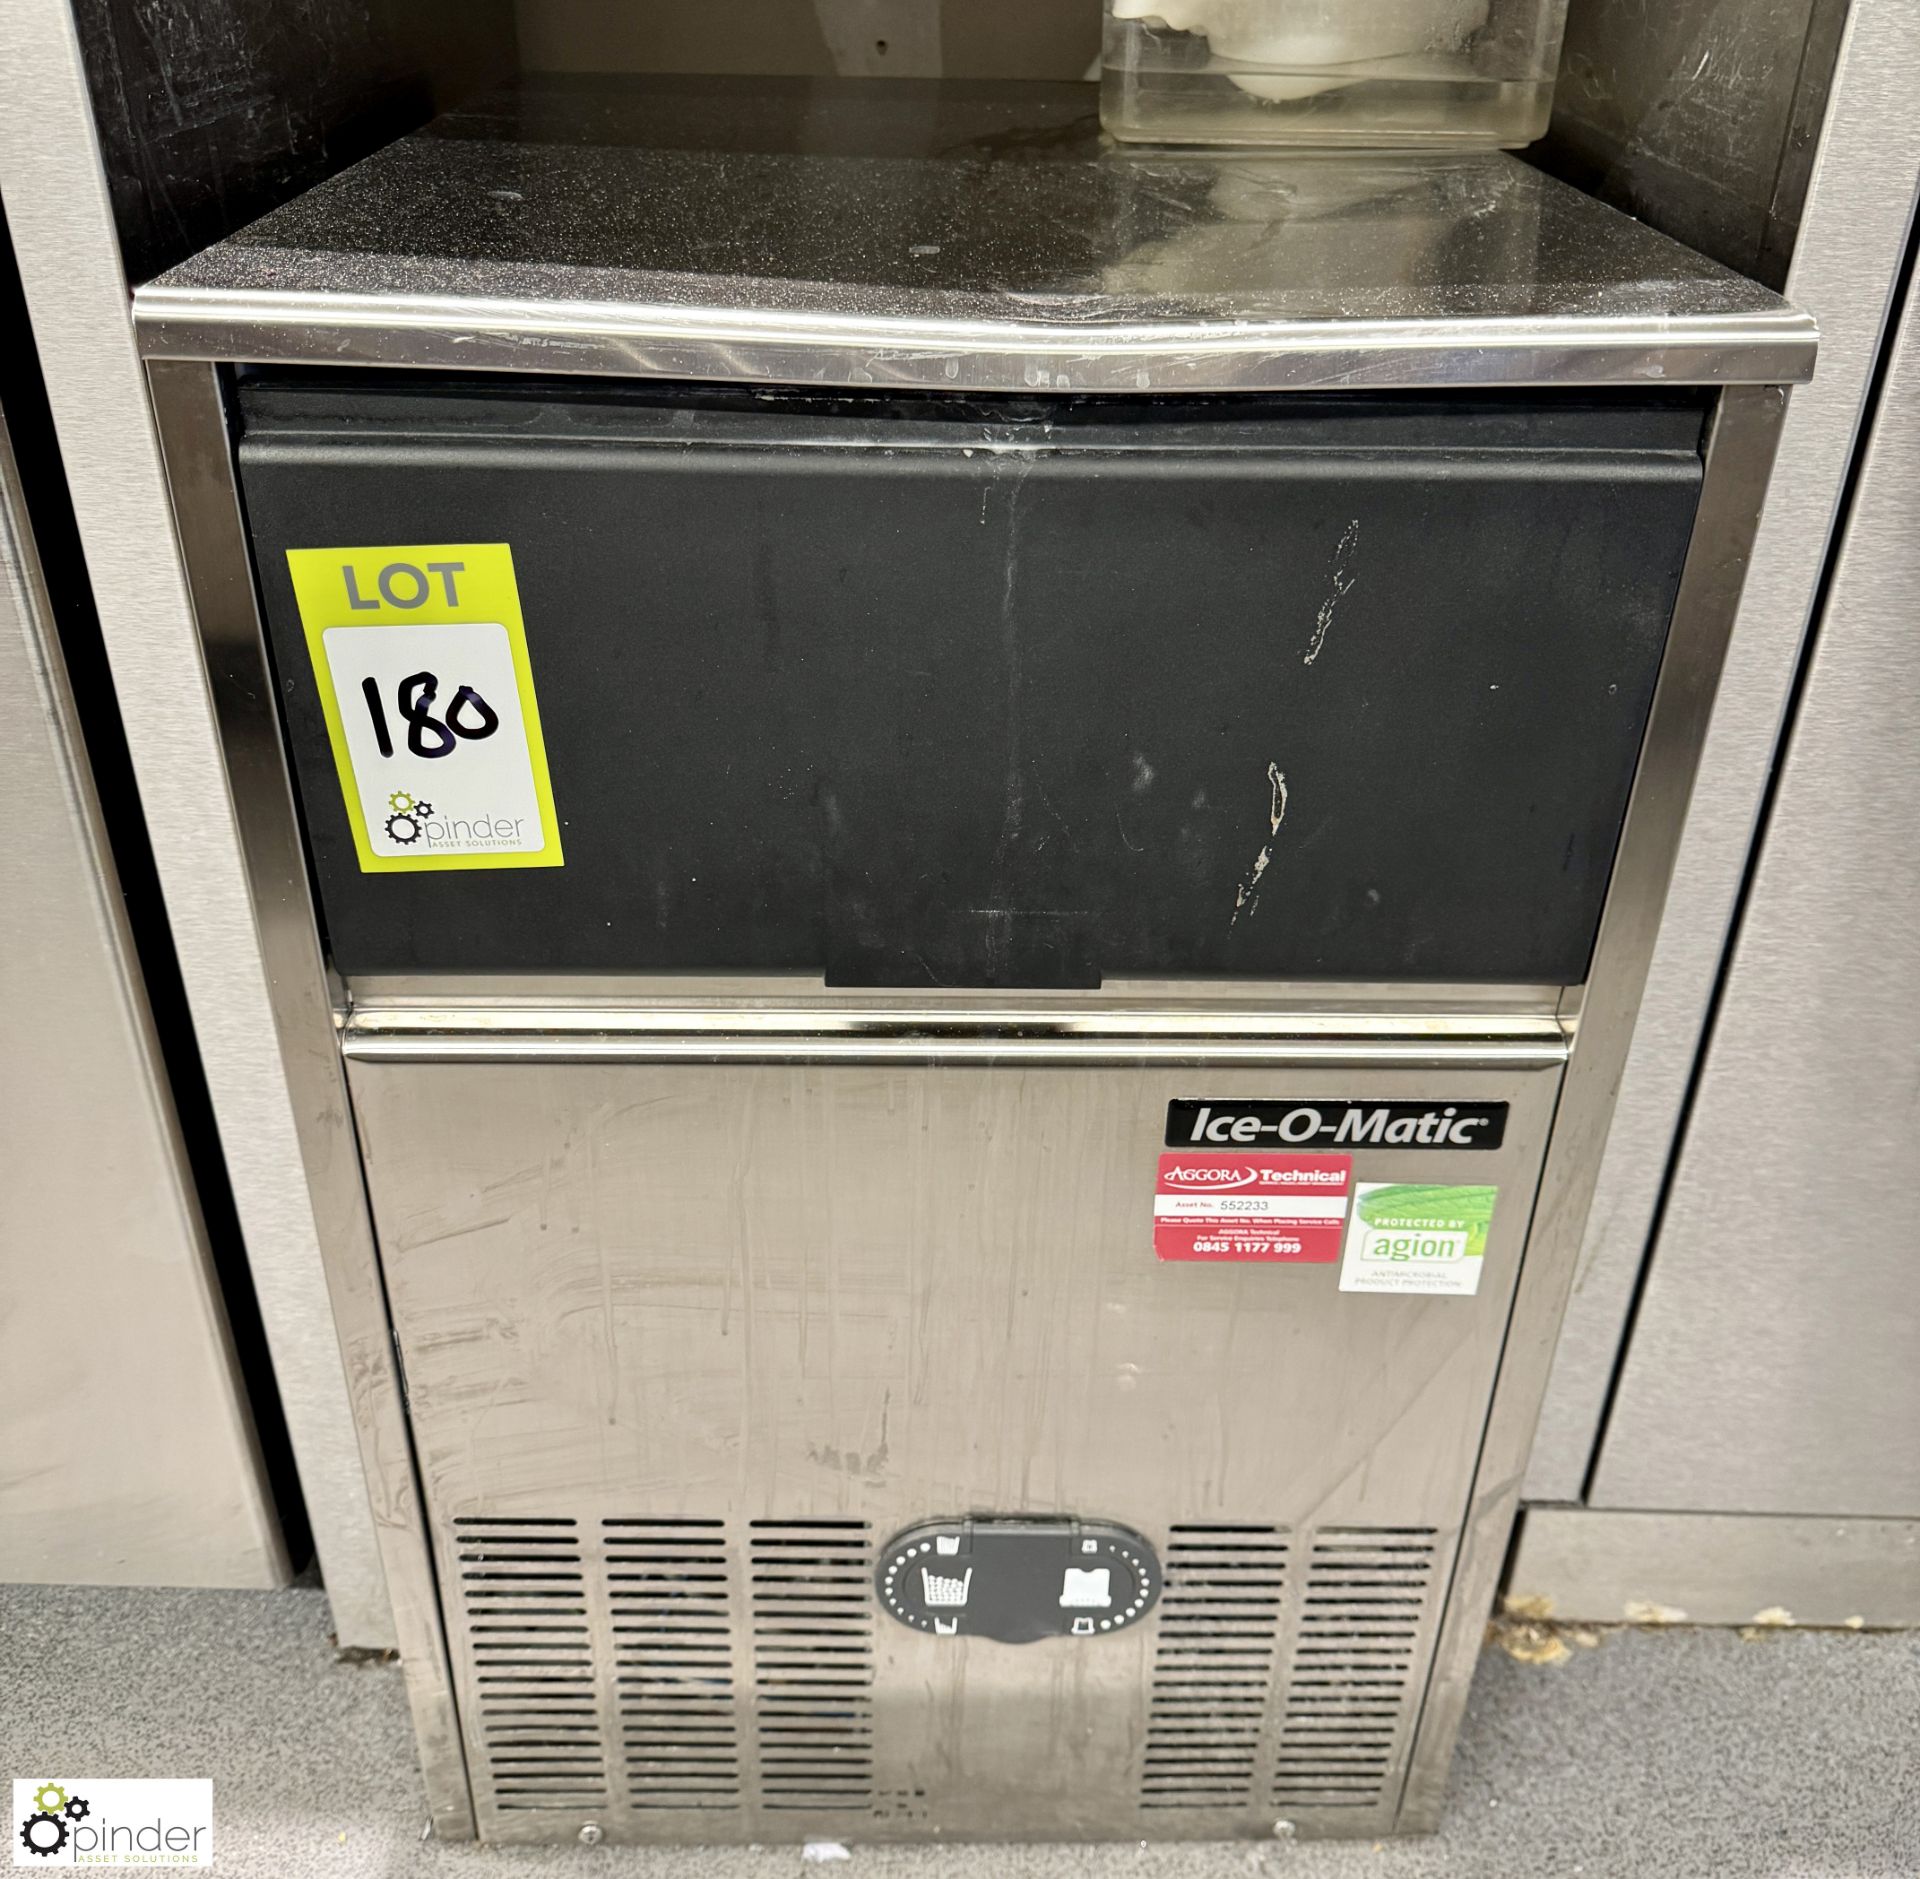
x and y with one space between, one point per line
1680 1752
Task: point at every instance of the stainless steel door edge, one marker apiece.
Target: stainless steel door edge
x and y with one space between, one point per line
987 1047
232 665
1740 455
719 343
989 1027
1347 1004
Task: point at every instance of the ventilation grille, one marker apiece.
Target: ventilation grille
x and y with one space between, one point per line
656 1664
813 1663
1367 1592
1213 1665
523 1589
669 1589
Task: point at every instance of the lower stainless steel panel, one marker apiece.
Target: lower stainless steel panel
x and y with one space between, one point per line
686 1342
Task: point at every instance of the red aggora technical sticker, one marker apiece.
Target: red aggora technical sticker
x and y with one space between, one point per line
1281 1209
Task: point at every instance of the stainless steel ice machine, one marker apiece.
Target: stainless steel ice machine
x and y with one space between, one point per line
960 834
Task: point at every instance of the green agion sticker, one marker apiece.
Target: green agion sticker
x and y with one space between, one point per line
1412 1237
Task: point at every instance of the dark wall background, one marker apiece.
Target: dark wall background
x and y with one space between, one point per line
213 111
1701 117
1698 116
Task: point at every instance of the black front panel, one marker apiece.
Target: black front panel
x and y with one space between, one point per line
932 692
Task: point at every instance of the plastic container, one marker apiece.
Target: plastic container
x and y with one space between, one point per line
1378 74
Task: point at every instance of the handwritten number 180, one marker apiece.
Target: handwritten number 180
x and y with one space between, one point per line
414 696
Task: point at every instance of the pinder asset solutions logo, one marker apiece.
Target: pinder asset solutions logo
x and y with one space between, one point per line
412 819
113 1823
408 820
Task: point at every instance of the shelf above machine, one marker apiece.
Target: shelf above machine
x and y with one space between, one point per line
951 236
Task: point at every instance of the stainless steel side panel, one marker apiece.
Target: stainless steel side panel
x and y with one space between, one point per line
685 1341
1853 239
1772 1363
64 236
127 1453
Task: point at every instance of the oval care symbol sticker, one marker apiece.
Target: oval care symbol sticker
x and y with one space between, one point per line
420 658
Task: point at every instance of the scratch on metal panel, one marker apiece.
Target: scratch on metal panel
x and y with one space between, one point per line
1247 898
1340 586
459 1230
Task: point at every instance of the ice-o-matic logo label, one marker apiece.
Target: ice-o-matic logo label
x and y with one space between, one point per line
1326 1124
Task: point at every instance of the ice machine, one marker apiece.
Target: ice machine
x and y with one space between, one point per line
959 832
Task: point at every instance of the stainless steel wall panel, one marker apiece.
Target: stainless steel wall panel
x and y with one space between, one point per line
1772 1363
127 1454
1854 237
65 238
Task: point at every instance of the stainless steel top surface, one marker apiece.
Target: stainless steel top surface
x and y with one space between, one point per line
956 235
